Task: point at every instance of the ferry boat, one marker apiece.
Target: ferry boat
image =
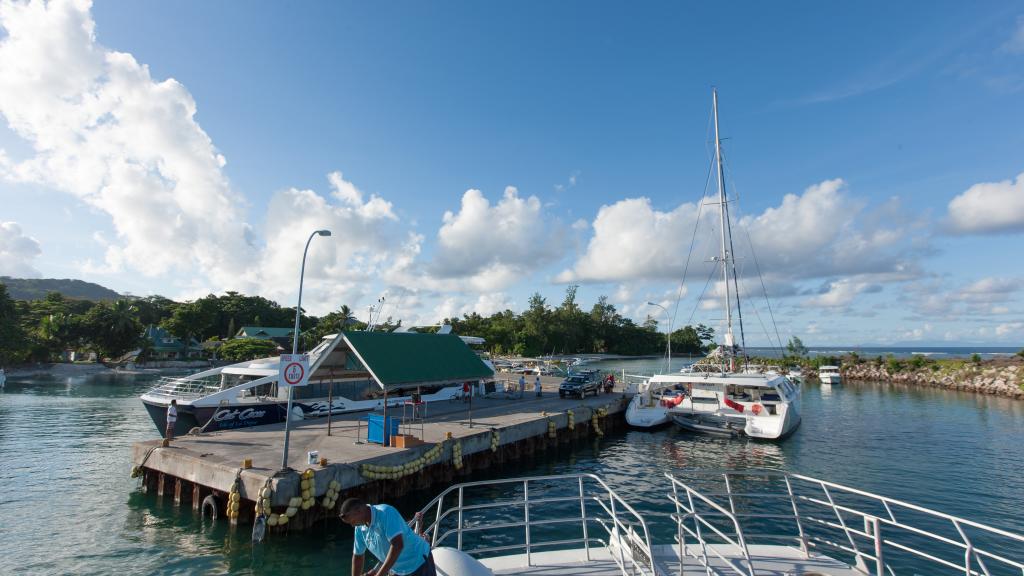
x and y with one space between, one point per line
752 522
349 372
829 375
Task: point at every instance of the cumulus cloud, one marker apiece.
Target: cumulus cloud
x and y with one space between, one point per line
17 252
363 245
818 234
489 246
101 128
990 296
633 241
989 208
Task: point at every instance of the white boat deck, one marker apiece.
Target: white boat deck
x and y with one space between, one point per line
767 560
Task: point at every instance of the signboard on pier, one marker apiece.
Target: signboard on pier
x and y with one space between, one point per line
294 370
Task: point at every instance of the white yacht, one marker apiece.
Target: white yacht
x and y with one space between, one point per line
349 372
746 522
829 375
721 394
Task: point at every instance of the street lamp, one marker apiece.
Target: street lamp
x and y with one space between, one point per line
295 345
668 336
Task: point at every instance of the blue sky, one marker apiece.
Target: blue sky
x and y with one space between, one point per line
468 154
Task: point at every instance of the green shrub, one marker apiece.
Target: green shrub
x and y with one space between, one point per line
894 365
976 358
246 349
917 362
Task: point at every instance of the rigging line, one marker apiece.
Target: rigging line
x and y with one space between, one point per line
757 267
759 320
731 255
714 270
693 239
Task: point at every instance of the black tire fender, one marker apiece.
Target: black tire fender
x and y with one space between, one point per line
210 504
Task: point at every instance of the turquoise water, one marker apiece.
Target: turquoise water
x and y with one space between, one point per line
68 506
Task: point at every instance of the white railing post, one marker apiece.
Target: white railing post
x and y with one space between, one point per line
526 519
460 519
583 519
796 514
874 528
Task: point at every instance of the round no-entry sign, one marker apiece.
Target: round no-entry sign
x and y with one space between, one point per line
294 369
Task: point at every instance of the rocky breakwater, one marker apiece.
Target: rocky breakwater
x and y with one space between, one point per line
998 377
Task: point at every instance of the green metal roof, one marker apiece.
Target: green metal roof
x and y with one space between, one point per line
265 332
410 358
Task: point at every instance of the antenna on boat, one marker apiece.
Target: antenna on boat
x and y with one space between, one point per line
727 257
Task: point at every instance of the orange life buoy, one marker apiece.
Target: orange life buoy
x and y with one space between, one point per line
756 409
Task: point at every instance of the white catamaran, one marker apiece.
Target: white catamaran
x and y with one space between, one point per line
716 395
830 375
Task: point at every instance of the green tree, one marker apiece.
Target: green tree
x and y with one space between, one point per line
687 340
12 337
192 320
112 329
796 347
243 349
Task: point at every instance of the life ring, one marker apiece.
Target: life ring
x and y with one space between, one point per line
756 409
210 503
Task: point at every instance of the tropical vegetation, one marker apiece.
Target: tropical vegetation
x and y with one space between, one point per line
47 329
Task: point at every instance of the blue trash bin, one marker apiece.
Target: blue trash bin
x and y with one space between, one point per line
375 428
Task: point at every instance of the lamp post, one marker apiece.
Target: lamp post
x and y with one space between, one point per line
295 345
668 336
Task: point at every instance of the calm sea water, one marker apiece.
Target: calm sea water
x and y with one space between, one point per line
67 505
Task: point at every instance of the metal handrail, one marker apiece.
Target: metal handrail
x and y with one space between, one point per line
620 532
868 545
185 388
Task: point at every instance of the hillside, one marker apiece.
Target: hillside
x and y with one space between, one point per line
36 288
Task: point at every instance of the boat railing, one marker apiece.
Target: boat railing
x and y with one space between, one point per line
477 518
186 388
723 512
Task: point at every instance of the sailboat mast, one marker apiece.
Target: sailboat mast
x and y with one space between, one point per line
725 222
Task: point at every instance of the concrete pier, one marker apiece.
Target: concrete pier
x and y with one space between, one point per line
502 430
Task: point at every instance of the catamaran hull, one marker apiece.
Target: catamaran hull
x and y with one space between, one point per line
248 414
224 417
646 416
760 429
831 380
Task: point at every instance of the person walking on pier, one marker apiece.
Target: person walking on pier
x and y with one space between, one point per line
536 386
172 417
381 530
522 385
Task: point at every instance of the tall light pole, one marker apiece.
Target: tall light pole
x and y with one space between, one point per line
295 345
668 336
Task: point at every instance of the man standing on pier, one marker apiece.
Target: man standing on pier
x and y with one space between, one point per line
381 529
172 417
536 386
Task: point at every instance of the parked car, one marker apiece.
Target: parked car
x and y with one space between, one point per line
579 385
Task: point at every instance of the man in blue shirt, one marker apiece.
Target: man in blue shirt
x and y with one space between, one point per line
381 529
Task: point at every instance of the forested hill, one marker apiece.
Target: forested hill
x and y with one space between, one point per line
37 288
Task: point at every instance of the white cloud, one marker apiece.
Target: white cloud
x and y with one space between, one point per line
1009 328
341 268
101 128
490 246
1015 44
17 252
821 233
839 293
633 241
989 208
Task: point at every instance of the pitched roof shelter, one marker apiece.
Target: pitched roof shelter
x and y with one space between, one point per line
401 360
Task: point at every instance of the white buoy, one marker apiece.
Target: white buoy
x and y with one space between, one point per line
452 562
